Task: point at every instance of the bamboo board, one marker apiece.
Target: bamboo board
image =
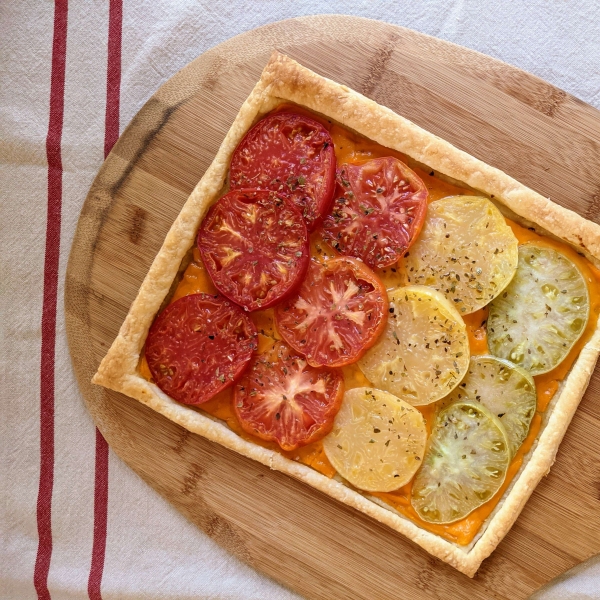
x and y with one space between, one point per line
535 132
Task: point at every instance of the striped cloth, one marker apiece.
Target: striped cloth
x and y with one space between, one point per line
75 522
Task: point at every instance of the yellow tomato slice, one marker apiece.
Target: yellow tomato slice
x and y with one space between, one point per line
465 250
377 442
423 353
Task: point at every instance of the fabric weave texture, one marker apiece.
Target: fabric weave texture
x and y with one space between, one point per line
75 522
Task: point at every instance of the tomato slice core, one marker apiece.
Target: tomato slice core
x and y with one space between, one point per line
254 245
339 312
283 399
378 210
198 346
291 154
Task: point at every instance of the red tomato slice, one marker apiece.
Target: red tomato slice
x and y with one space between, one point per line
378 211
339 312
198 346
283 399
291 154
254 245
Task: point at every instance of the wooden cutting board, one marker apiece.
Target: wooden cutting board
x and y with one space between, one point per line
535 132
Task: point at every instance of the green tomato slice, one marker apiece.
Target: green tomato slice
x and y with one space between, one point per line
465 250
465 464
377 441
506 390
544 310
423 353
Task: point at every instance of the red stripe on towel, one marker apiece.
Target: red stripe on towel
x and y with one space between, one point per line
113 75
100 518
51 258
111 134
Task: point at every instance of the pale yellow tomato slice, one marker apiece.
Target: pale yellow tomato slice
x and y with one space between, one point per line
465 250
506 390
377 441
465 464
423 353
542 313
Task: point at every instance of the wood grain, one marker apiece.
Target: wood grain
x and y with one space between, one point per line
545 138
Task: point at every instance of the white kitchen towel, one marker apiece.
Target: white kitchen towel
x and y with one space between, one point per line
72 75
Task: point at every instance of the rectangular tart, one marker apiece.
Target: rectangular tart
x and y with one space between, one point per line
285 81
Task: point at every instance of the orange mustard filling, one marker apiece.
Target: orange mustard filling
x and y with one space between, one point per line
351 148
476 330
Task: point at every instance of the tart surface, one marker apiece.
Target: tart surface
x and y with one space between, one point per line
124 375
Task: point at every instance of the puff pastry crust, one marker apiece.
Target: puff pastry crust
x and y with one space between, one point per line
284 80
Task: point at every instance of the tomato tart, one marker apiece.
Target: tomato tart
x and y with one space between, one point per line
351 300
